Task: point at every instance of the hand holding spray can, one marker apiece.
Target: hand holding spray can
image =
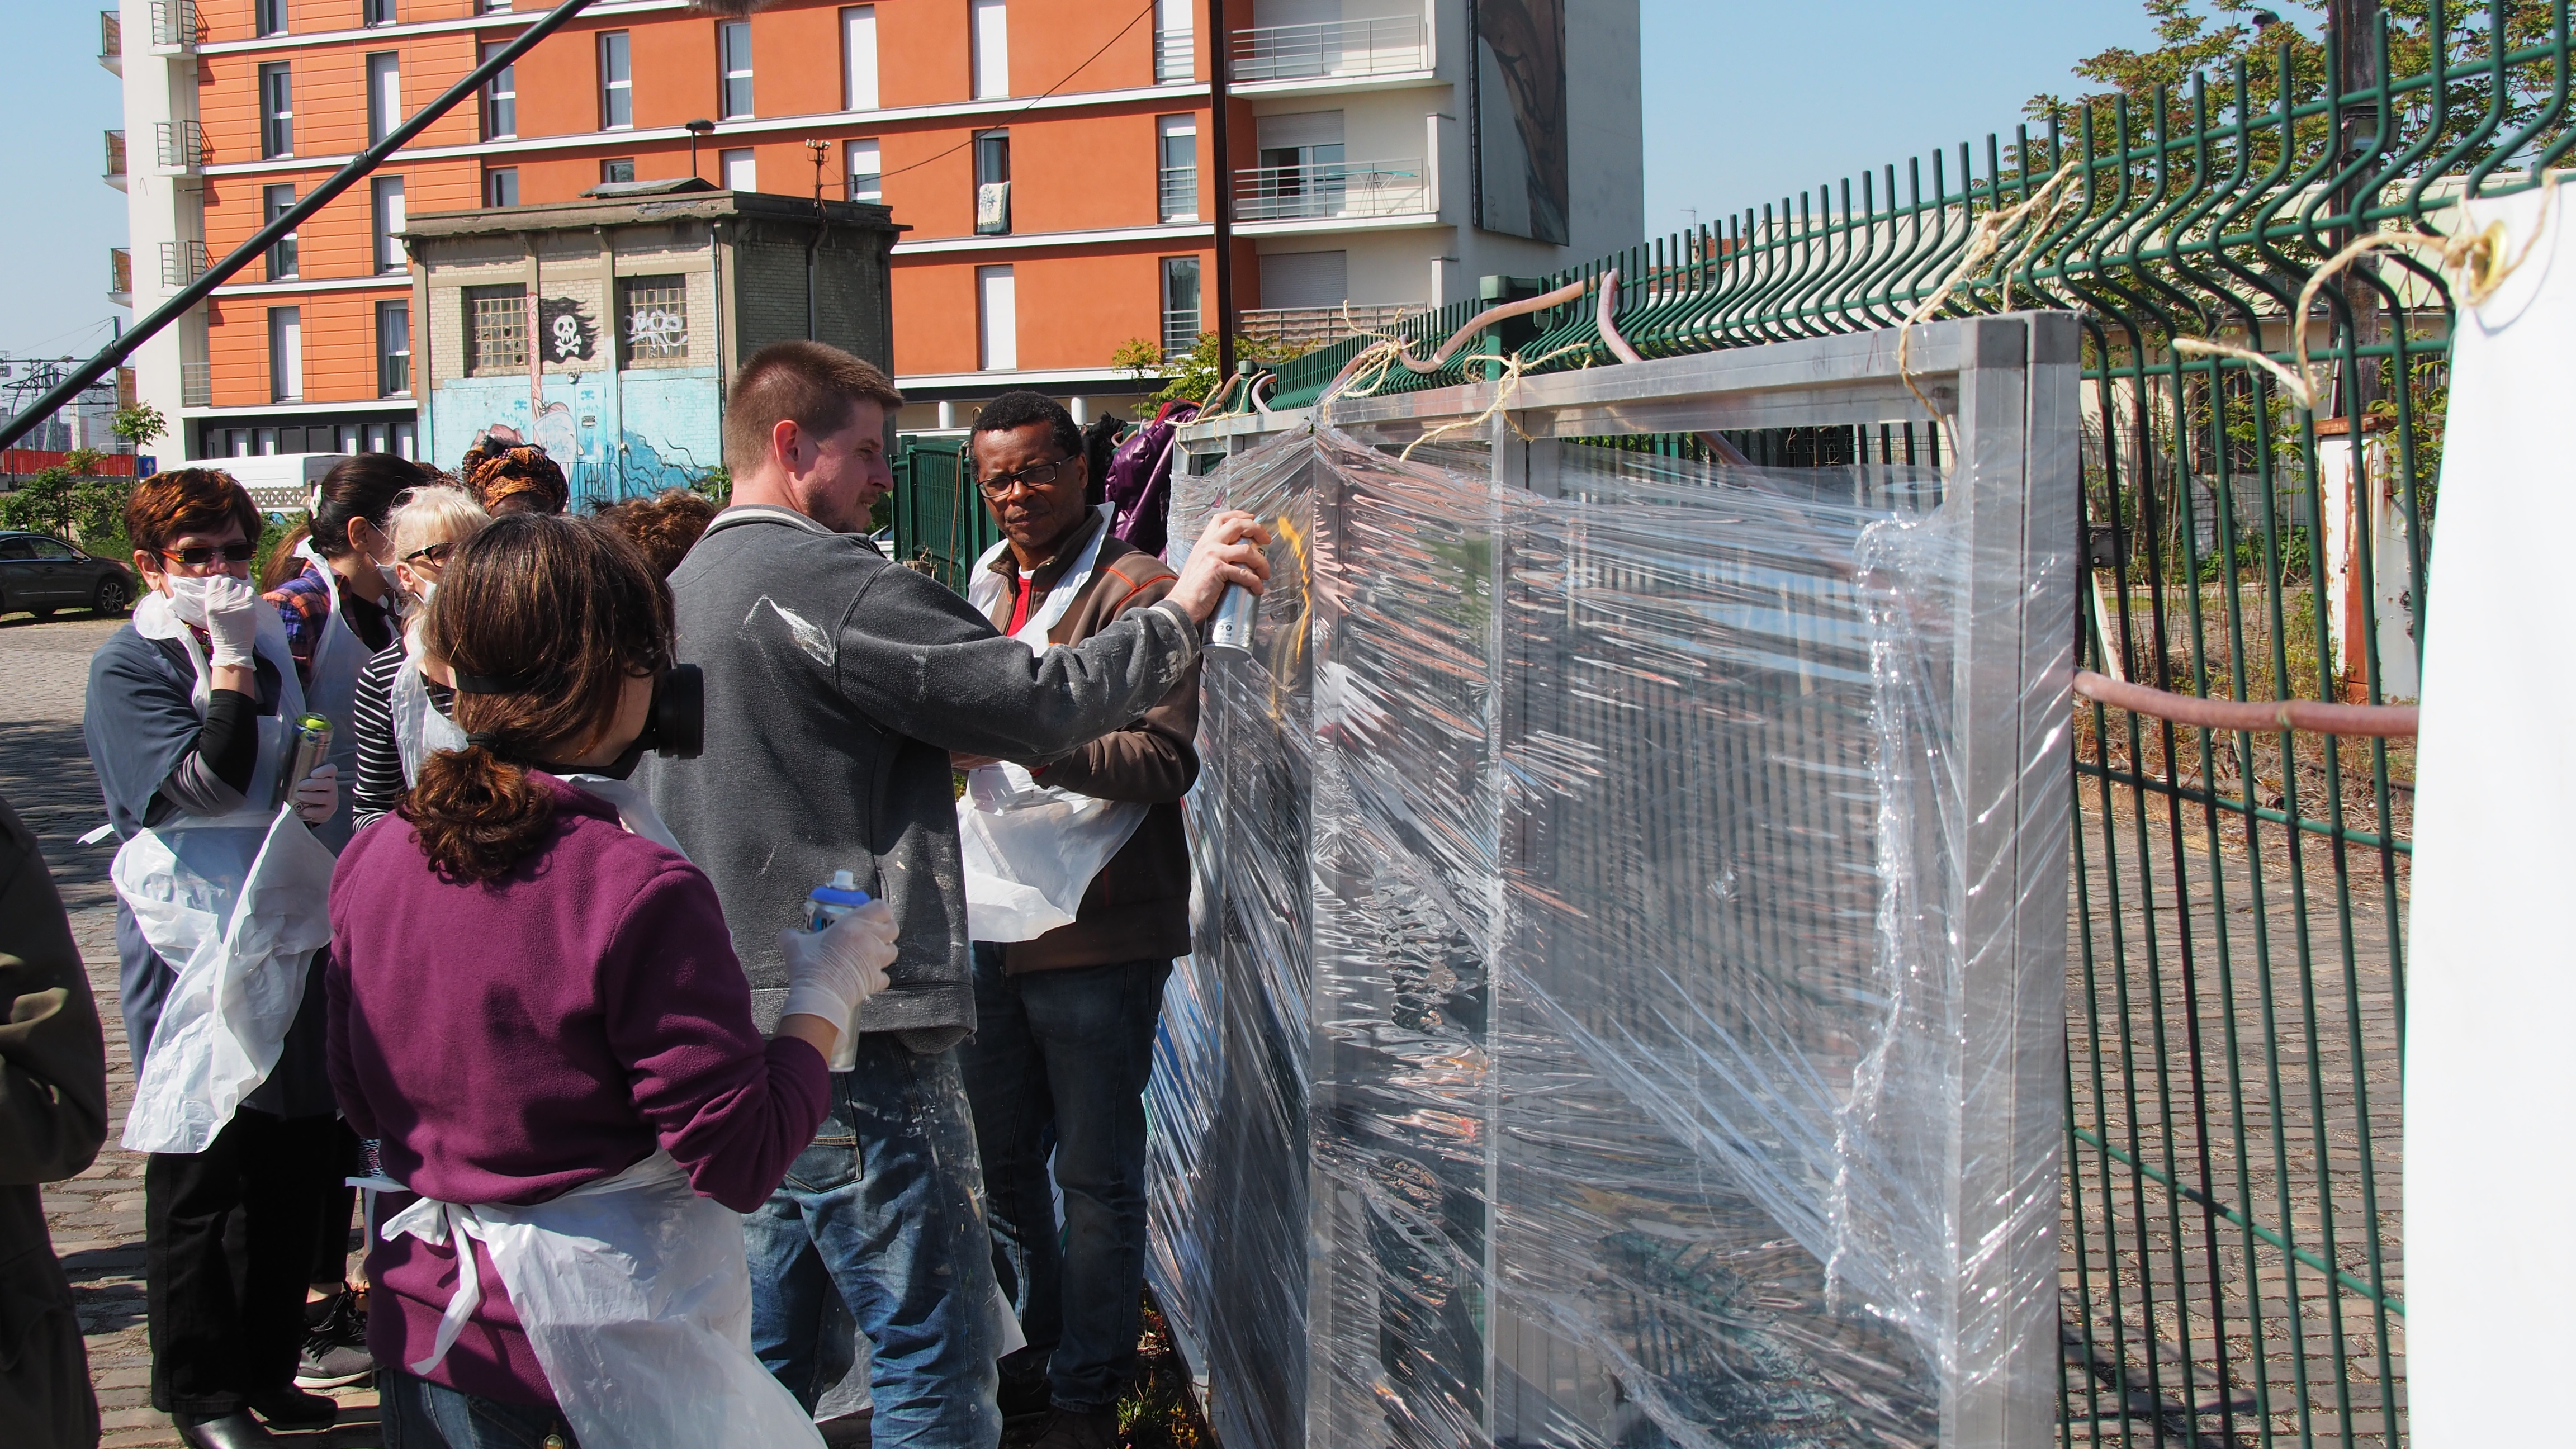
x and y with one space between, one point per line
1229 629
832 900
309 744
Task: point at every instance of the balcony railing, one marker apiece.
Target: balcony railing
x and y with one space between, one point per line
196 384
1305 328
182 262
1175 57
181 145
1180 193
1332 48
111 42
115 172
1330 190
1180 332
120 275
176 23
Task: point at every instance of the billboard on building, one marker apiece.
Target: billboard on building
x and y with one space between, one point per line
1517 109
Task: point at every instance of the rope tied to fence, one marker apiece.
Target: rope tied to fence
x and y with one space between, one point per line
1985 240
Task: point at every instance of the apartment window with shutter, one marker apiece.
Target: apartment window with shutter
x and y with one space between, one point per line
496 330
1180 305
859 57
501 186
500 98
384 95
993 183
867 172
990 40
1177 162
276 110
387 192
616 82
274 202
285 354
393 349
733 57
617 169
739 168
653 321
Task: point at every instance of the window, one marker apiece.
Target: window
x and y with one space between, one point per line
276 110
617 169
1301 171
733 62
616 82
388 194
859 58
274 202
268 17
739 171
384 95
376 12
1174 64
1177 142
496 330
285 354
501 186
500 98
653 326
393 353
997 316
867 172
993 183
491 7
991 42
1180 305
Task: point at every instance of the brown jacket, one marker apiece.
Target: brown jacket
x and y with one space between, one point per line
53 1116
1138 907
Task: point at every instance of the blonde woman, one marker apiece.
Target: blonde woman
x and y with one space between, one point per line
401 714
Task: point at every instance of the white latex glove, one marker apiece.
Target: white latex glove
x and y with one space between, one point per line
829 973
232 621
317 795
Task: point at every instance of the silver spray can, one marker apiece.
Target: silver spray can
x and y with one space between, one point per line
1230 630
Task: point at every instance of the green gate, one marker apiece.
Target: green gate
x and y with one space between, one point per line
2231 1268
940 526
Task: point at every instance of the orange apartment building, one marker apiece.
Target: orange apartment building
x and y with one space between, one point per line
1045 156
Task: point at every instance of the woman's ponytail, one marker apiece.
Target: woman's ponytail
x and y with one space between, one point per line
475 814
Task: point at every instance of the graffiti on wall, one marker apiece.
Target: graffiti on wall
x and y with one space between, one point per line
615 438
570 334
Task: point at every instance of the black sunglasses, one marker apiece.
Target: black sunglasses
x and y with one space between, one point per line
436 553
1036 475
197 558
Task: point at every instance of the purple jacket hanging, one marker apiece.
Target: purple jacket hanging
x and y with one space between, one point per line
1140 478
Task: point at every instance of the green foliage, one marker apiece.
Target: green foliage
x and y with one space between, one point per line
69 502
138 424
42 503
1192 375
714 483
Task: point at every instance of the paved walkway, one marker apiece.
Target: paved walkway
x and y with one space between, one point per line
97 1218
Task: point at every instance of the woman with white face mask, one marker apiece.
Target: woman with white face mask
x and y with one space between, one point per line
219 893
401 715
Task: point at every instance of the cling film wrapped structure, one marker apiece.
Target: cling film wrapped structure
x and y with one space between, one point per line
1612 1019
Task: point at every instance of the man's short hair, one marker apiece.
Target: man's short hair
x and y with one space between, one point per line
1014 410
811 384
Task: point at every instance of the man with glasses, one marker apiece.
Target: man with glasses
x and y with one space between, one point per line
1064 1033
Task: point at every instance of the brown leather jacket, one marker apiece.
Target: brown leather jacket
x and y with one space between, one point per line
1138 907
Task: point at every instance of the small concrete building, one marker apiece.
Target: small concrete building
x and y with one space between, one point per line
605 329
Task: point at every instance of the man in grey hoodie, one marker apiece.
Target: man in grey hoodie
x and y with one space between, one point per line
837 686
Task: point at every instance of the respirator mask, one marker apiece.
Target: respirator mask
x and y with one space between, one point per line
675 727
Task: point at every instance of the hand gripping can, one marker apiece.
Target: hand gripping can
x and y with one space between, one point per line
1230 630
309 740
832 900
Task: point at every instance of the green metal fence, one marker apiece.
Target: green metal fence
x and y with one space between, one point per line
2231 1268
940 526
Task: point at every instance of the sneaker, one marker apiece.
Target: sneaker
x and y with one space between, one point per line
1074 1429
335 1352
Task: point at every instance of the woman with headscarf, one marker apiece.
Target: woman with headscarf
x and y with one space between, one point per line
515 478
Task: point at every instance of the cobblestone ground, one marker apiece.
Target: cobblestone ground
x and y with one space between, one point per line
97 1218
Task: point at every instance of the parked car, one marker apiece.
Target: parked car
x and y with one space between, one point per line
40 573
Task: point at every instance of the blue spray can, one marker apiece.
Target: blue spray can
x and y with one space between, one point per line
832 900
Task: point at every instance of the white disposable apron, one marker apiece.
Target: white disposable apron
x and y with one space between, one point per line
331 691
236 904
1030 851
636 1298
419 729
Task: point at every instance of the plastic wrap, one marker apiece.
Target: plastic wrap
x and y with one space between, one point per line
1610 1022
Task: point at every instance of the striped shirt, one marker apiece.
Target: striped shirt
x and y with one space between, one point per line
381 785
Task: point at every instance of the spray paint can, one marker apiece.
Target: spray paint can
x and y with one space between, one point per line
309 741
1230 630
832 900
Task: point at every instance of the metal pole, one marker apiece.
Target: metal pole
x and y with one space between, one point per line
286 221
2353 26
1224 192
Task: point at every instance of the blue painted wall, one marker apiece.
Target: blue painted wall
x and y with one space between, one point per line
617 434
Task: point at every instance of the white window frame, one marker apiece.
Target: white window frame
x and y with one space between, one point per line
997 320
387 219
1167 130
859 57
283 249
989 44
276 121
500 98
733 65
616 81
385 353
384 94
285 354
873 154
497 178
739 156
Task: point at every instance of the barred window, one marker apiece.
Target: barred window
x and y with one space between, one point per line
654 321
496 330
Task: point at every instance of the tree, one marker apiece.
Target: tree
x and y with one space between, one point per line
138 424
1192 375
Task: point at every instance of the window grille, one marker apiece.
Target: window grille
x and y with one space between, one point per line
496 330
654 321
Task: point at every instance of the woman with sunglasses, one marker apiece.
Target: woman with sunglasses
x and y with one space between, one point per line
400 714
220 901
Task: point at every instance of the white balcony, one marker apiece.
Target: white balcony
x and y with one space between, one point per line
1332 190
120 276
1179 193
196 384
1340 48
175 24
111 42
182 262
180 146
1175 61
1180 333
1303 329
115 172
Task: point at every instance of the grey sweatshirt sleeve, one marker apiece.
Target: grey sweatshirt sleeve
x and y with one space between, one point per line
919 660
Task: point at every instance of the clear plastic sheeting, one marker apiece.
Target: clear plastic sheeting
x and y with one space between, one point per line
1610 1021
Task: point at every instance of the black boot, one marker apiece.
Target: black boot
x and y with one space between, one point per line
294 1410
236 1430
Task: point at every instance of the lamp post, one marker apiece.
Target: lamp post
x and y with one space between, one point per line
697 128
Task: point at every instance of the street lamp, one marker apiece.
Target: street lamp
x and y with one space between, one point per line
696 128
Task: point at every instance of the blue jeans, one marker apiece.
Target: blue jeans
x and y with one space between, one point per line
418 1414
1072 1048
883 1212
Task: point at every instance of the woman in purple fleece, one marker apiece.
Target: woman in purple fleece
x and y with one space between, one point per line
537 1009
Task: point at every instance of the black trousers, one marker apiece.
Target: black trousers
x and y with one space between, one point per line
228 1244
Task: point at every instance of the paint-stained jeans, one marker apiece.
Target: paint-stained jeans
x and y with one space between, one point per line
886 1206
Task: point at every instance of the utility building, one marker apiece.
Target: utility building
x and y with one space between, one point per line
605 328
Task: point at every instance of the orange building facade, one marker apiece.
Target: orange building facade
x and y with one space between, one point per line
1045 157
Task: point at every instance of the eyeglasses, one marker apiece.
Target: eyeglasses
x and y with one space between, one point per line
1036 475
436 553
197 558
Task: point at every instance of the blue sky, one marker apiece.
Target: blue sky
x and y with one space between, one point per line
1746 100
